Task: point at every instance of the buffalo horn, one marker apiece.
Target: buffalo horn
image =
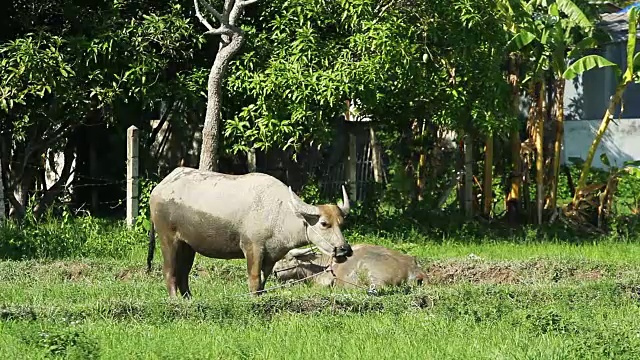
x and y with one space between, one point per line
301 207
345 202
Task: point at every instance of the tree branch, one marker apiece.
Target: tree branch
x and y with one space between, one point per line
228 6
213 11
52 193
381 11
237 10
224 30
200 17
163 120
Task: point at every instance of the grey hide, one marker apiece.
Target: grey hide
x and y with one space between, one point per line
253 216
369 264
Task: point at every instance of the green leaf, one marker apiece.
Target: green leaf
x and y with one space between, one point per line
553 10
575 14
587 63
604 159
635 163
584 44
631 42
522 39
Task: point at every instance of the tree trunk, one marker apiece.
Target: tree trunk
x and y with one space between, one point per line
93 171
557 147
488 176
352 168
586 167
513 200
19 196
376 156
422 160
460 164
513 205
539 141
3 208
213 116
468 175
51 194
251 160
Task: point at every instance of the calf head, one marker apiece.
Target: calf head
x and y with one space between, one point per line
323 224
298 264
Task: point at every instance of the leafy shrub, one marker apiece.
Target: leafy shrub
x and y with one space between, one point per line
65 340
67 236
144 190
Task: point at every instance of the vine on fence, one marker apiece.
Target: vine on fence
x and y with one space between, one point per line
144 192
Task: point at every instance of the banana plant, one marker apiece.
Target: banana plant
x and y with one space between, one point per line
629 76
514 17
550 37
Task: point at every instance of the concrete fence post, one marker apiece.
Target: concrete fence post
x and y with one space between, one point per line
132 174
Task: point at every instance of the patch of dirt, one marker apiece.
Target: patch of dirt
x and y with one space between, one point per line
507 273
124 275
131 273
476 273
589 275
76 271
201 271
72 271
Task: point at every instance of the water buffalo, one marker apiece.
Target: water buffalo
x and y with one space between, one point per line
369 265
253 216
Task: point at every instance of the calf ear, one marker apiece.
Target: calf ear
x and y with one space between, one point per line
300 252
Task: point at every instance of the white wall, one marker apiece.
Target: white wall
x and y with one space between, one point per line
621 142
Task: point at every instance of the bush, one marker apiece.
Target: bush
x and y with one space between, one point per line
68 236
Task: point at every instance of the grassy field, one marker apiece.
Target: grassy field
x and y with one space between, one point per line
506 301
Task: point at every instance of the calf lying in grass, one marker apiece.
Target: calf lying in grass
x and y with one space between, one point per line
369 265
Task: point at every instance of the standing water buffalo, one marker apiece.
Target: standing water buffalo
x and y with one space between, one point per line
369 265
253 216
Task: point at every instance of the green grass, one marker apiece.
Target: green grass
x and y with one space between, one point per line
527 300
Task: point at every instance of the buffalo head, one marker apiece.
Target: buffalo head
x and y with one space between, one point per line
322 224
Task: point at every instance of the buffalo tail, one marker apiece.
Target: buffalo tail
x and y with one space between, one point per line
152 246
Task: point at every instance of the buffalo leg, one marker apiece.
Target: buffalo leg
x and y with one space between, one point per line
254 267
267 268
184 261
169 265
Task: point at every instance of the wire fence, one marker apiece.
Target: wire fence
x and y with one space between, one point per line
110 192
332 177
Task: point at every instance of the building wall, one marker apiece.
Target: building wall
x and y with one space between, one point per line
621 142
587 96
586 100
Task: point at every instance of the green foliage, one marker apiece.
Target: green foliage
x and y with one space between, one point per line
394 63
67 236
595 61
128 58
64 340
32 67
145 186
587 63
